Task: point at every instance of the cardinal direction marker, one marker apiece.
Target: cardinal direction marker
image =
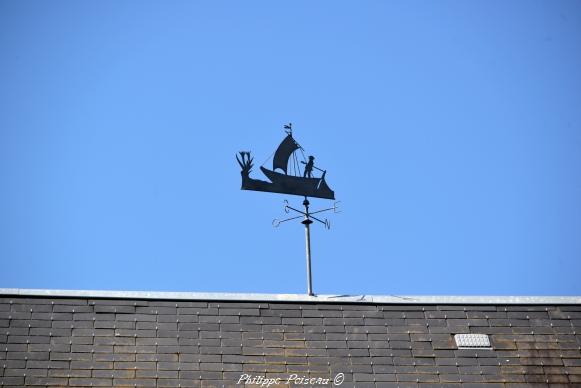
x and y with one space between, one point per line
276 222
291 179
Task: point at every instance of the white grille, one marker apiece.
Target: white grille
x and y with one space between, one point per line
472 340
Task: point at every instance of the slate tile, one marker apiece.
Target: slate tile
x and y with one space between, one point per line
419 378
16 331
188 326
45 381
40 356
66 324
239 311
423 361
347 352
36 308
230 367
283 313
69 373
9 372
117 309
454 330
362 377
444 353
5 315
380 352
274 336
246 327
401 344
384 369
285 328
15 347
60 364
251 351
115 373
574 378
167 325
235 342
496 330
12 381
221 319
293 336
302 321
409 329
13 364
419 354
182 311
486 314
161 374
261 320
354 314
162 333
423 345
35 339
130 317
169 320
117 341
572 361
563 329
242 305
528 314
443 345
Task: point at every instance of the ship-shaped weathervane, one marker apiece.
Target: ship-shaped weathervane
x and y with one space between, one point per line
288 176
288 180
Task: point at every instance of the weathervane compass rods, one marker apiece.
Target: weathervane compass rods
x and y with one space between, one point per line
307 221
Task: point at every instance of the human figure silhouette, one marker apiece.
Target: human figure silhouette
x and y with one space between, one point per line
309 167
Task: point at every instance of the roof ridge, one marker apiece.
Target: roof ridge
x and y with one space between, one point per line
301 298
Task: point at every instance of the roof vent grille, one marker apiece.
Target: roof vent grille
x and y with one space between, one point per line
472 341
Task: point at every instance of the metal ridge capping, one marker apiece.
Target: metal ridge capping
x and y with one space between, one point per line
302 298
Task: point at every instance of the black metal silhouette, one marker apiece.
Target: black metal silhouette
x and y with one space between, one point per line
309 167
306 185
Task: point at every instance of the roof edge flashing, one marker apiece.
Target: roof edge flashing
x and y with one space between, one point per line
300 298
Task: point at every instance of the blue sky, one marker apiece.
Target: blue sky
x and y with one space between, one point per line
451 132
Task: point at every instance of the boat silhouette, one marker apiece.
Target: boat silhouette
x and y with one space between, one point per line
283 182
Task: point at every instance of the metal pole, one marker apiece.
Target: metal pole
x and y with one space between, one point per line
307 222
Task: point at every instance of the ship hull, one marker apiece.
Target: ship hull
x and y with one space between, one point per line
284 184
288 184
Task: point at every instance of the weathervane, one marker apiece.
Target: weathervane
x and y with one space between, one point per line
292 180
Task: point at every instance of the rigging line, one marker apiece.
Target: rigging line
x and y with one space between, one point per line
302 152
296 163
301 148
299 167
268 158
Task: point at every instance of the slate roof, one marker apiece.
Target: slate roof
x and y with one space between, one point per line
83 339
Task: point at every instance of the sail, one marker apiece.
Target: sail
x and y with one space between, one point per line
283 152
